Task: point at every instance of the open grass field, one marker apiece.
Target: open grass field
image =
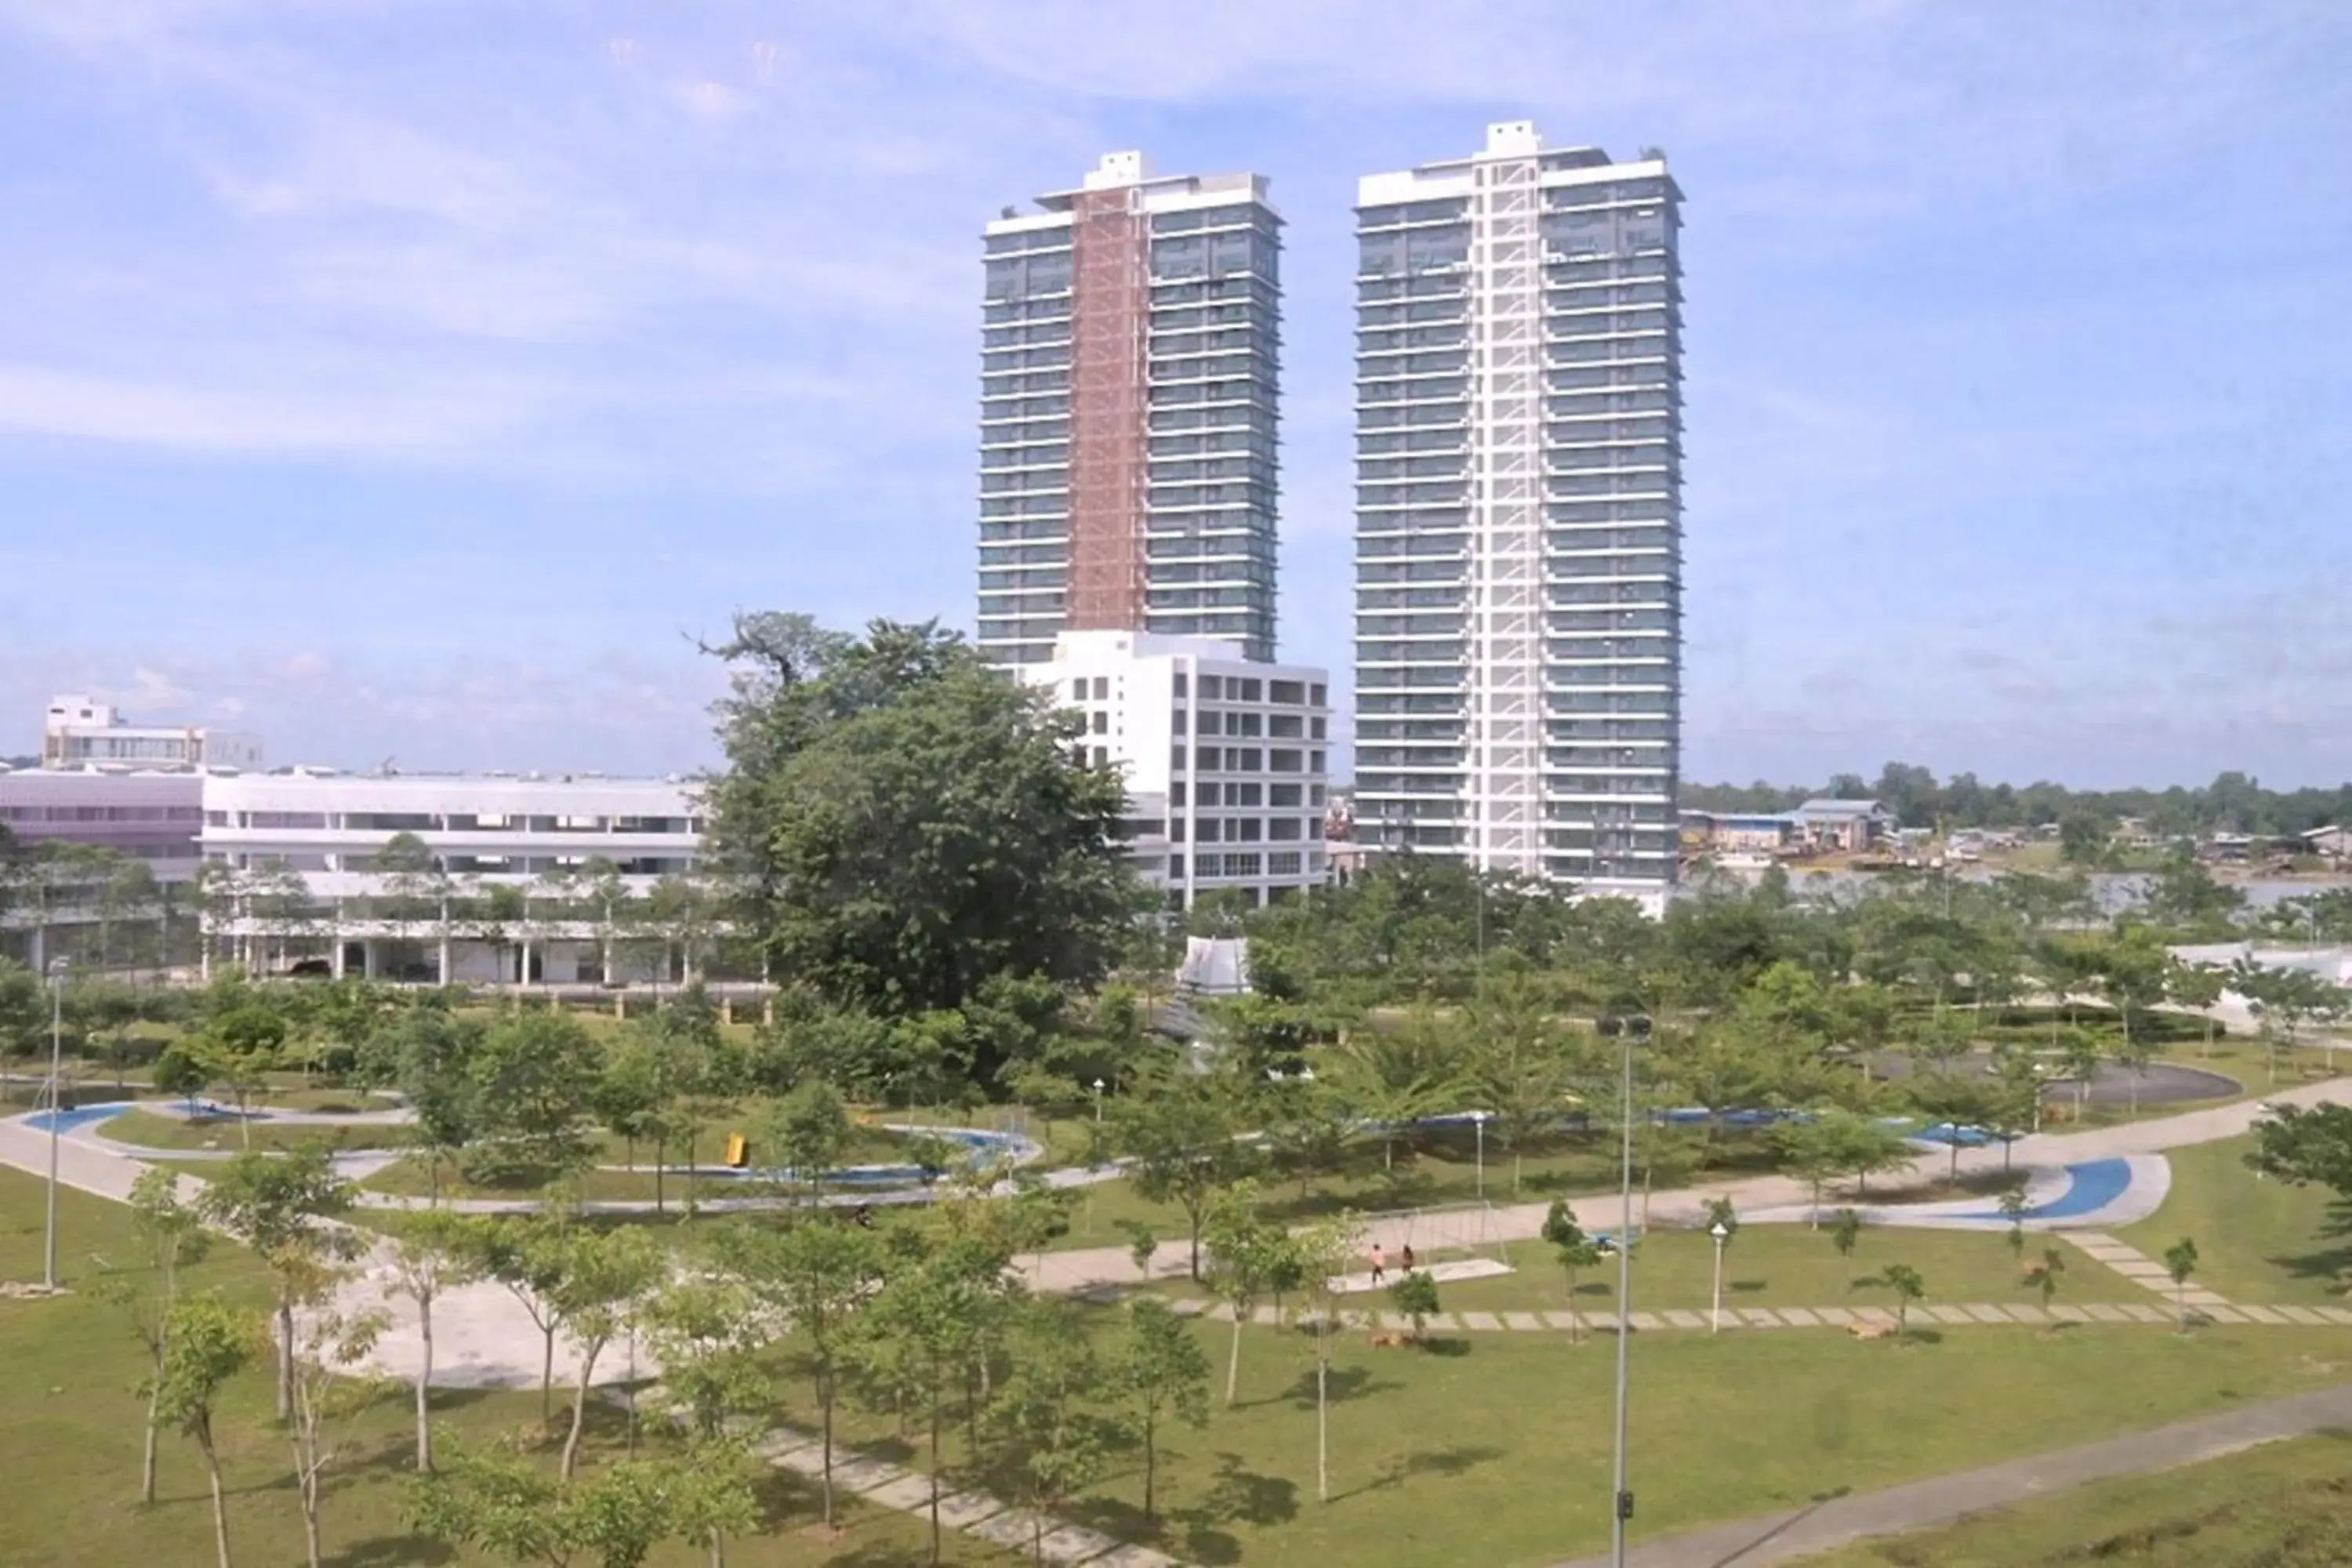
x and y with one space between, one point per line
69 1442
1788 1266
2257 1239
2283 1505
1494 1449
146 1130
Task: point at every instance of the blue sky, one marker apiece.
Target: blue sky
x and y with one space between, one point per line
415 379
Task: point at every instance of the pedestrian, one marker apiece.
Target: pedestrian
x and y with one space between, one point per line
1380 1265
1405 1260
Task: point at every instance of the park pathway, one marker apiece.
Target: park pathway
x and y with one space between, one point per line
1835 1521
1089 1268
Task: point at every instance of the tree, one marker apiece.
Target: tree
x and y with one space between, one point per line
1959 1103
428 1054
235 1051
707 1332
173 1236
1245 1252
506 1505
283 1207
818 1278
417 892
920 1332
1160 1370
2013 1208
1812 1150
1845 1234
1868 1148
2043 1277
1907 1286
2180 1262
1574 1249
905 823
534 1076
606 1276
1180 1133
1393 1077
526 1253
330 1391
178 1072
1047 1410
1321 1251
428 1253
206 1342
2197 987
805 1132
1415 1295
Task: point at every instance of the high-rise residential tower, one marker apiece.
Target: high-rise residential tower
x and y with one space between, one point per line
1128 411
1518 512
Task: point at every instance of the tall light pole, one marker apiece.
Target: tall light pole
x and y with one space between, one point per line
56 1107
1478 1121
1722 1233
1098 1089
1620 1501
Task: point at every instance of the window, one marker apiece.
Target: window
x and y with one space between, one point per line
1079 690
1289 691
1181 682
1281 827
1210 759
1210 685
1317 697
1282 794
1284 726
1102 722
1177 721
1282 863
1176 758
1208 831
1176 792
1283 762
1241 794
1176 865
1314 761
1316 730
1243 762
1102 688
1249 724
1213 724
1102 756
1211 793
1176 830
1242 829
1251 691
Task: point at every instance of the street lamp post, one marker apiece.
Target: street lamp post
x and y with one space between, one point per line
1722 1233
1098 1089
1620 1509
57 1038
1478 1121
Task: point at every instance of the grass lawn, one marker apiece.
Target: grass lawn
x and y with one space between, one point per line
148 1130
69 1441
2257 1239
2283 1503
1790 1265
1494 1448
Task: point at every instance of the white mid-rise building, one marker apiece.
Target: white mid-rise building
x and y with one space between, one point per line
1518 512
506 889
1226 758
81 732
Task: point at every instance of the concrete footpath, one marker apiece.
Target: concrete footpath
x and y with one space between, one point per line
1943 1500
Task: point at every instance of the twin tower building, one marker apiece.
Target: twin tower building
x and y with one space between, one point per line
1518 512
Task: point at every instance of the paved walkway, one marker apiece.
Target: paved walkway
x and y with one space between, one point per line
1921 1505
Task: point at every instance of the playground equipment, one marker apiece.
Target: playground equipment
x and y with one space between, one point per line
1465 1229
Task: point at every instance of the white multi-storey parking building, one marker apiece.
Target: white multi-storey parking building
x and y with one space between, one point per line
546 842
81 731
1128 413
1518 512
1224 758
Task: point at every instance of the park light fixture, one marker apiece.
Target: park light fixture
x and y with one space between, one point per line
1098 1094
1722 1233
1626 1030
56 971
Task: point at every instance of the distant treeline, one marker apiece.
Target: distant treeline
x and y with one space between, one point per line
2232 803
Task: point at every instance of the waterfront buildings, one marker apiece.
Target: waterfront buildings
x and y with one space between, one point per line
1128 374
1518 512
1225 759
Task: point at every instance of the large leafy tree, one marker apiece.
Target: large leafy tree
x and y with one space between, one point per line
905 825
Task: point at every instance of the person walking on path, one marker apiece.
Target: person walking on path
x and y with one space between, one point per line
1404 1260
1380 1265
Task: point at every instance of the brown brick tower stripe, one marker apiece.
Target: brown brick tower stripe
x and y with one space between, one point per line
1109 291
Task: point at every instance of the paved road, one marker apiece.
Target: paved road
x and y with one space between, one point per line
1941 1499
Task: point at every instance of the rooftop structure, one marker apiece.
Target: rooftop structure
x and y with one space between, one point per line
79 731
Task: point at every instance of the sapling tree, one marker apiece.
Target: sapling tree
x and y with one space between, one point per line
285 1207
2180 1262
1415 1295
1050 1413
174 1236
1908 1287
1845 1234
427 1253
606 1280
206 1342
332 1390
2044 1275
1161 1373
1244 1250
817 1277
